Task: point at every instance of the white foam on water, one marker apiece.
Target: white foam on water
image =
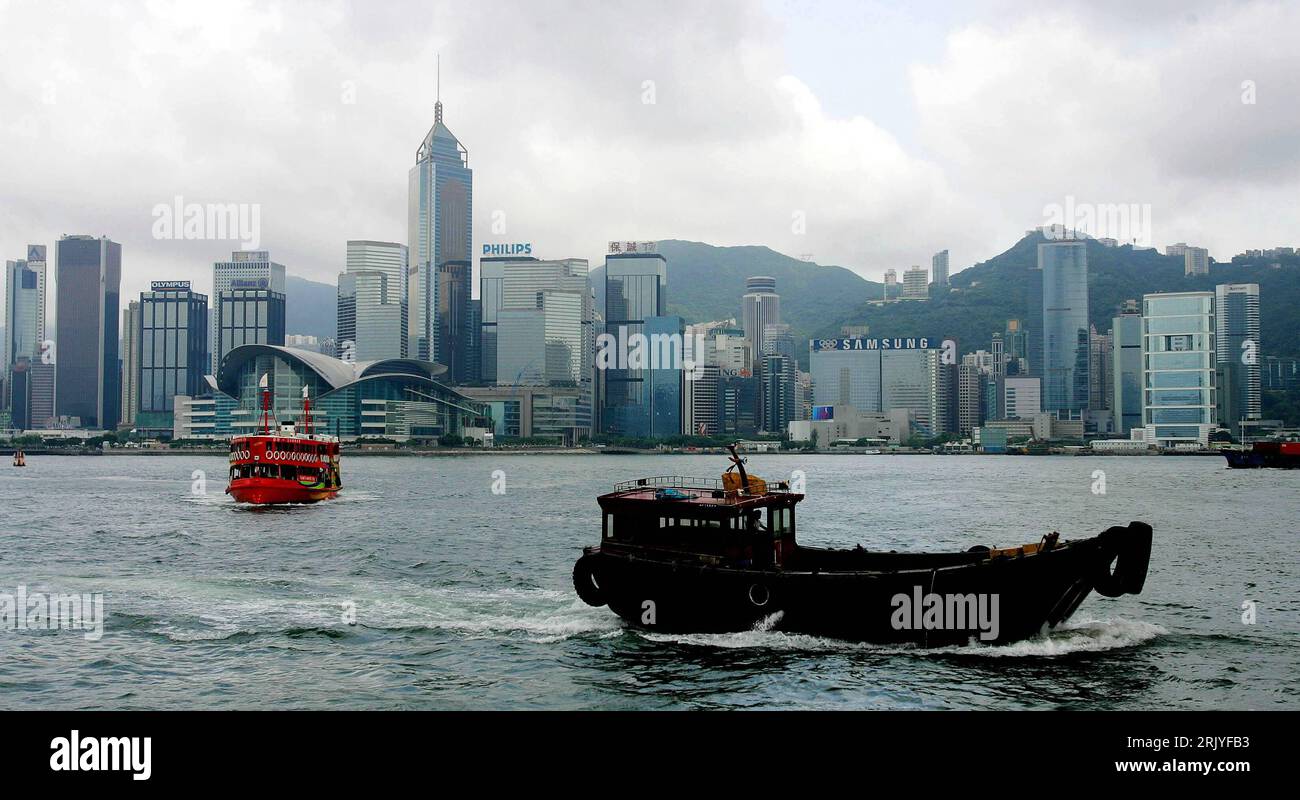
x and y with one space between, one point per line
1084 636
1081 636
210 611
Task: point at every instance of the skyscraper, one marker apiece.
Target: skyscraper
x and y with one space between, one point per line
543 322
89 277
1100 370
131 341
971 383
1179 356
1126 363
246 269
440 240
760 306
372 307
879 374
1064 268
492 276
248 316
1196 261
24 322
173 353
779 392
1236 310
939 268
635 292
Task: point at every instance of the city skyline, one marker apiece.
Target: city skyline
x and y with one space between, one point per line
530 179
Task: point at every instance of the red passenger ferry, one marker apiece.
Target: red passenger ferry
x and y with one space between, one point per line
284 467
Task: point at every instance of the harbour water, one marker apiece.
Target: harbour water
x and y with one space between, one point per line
444 583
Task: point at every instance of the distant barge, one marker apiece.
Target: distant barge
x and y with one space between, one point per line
1274 455
704 555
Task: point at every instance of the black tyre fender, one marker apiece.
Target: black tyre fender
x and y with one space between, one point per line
585 582
1136 556
759 595
1130 551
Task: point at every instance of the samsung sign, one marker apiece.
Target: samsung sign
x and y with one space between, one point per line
863 343
516 249
159 286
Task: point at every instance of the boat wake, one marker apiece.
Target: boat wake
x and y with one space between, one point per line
1082 636
536 615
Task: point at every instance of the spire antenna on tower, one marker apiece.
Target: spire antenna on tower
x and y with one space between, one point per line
437 106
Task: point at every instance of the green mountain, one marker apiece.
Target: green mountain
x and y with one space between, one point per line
706 283
983 297
311 308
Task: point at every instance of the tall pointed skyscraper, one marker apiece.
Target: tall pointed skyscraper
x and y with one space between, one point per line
440 234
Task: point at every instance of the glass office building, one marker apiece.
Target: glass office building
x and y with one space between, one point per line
1126 357
1065 332
246 269
88 286
1179 356
173 351
440 239
24 335
372 301
874 375
635 293
248 316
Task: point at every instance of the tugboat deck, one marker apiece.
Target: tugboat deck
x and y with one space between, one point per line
678 490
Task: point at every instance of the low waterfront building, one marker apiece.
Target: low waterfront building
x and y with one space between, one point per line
397 398
558 413
990 438
835 423
1120 446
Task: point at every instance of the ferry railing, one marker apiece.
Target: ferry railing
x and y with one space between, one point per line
685 482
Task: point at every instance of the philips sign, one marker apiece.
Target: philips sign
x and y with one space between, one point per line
863 343
516 249
162 286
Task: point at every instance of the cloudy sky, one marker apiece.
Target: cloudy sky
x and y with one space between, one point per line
866 134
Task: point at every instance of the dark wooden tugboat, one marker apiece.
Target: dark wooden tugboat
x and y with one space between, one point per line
703 555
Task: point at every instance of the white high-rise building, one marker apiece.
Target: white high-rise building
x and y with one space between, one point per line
246 269
1022 397
1178 374
916 284
1196 261
760 306
372 301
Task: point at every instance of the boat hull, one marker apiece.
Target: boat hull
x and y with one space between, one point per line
1245 459
1009 598
264 492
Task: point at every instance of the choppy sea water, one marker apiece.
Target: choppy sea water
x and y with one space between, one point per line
463 599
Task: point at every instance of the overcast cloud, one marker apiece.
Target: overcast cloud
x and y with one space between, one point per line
933 128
